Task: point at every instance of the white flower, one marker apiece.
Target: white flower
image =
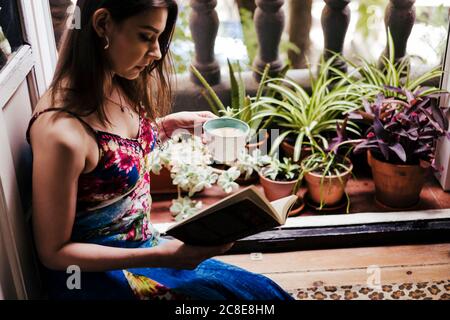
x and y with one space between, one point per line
183 208
227 178
247 163
261 160
155 162
228 112
274 168
193 178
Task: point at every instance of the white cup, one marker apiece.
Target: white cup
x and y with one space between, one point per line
226 138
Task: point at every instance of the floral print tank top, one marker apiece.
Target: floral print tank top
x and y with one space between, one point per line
113 200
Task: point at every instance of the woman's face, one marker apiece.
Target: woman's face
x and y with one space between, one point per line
134 42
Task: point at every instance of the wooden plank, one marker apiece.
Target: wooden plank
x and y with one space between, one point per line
366 235
351 219
14 73
342 259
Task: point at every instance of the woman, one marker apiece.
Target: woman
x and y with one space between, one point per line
91 137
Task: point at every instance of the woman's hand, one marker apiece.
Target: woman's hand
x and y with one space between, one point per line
190 121
178 255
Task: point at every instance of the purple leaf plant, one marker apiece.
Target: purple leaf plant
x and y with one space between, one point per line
404 129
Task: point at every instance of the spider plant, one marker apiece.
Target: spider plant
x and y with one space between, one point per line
326 171
242 105
380 78
331 168
309 117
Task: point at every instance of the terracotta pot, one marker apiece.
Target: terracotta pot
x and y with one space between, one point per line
252 180
162 183
275 190
258 145
331 191
396 186
288 150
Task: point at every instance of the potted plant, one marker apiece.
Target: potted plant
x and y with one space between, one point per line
278 178
373 78
308 119
184 166
400 143
241 103
190 171
403 123
326 172
250 165
193 179
175 152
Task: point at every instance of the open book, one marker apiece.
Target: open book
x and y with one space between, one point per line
240 215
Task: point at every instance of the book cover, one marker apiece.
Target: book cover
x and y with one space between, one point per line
242 214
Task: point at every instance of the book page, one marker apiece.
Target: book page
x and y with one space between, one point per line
250 192
278 211
237 221
283 205
278 208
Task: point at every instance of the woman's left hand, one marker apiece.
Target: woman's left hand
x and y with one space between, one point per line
190 121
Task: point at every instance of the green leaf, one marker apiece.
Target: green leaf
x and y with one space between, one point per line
210 90
298 147
210 102
234 87
262 82
278 141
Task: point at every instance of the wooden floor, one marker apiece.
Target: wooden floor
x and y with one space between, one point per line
302 269
349 266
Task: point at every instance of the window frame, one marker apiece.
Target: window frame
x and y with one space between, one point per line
31 67
36 17
443 147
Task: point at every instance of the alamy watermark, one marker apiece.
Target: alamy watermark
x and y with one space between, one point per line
374 277
74 17
74 279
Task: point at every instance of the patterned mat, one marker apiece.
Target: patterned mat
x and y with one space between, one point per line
438 290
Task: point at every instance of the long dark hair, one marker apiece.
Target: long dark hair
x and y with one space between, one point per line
82 69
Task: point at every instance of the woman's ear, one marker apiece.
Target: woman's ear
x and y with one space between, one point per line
102 22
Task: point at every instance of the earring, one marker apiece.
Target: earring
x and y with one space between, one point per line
107 43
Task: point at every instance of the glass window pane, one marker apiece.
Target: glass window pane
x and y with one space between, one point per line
60 10
10 30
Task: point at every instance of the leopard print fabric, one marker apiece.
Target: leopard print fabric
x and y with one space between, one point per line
438 290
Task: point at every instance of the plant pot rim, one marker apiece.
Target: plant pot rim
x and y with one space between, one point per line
371 157
277 182
350 169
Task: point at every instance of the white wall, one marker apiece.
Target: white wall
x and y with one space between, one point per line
443 147
22 81
14 227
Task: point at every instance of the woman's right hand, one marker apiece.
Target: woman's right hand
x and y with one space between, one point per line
178 255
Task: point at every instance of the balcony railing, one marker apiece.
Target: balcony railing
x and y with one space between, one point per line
269 20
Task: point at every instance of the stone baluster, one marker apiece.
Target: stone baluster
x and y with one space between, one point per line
269 24
399 19
335 20
204 24
300 20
